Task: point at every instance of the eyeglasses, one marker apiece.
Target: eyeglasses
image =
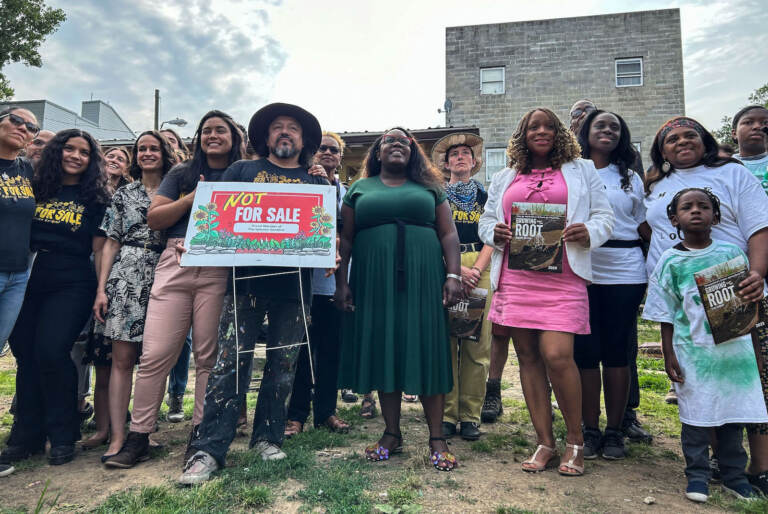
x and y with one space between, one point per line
585 110
403 140
333 149
19 121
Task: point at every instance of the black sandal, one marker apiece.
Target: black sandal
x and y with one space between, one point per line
368 407
377 452
439 457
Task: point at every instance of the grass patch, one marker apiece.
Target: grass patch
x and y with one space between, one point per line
339 487
653 381
7 382
648 331
503 509
650 364
505 385
516 441
515 412
658 415
725 501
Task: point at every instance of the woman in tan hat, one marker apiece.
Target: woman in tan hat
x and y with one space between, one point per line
459 157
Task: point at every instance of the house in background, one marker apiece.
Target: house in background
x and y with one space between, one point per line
96 117
628 63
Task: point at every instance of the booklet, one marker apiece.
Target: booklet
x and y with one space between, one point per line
728 314
537 237
465 319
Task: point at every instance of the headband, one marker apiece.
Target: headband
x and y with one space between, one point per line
676 123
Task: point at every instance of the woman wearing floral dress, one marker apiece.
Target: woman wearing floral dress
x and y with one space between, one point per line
127 272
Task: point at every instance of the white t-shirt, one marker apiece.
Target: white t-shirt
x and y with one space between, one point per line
721 382
743 206
621 265
758 167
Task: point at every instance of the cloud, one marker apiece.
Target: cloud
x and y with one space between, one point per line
120 51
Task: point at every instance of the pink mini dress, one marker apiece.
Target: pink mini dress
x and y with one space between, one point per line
535 299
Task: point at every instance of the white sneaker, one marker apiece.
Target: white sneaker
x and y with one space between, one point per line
198 469
6 469
268 451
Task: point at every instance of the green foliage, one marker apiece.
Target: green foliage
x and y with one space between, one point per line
24 25
724 134
760 96
654 381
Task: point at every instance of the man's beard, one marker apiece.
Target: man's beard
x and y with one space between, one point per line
284 152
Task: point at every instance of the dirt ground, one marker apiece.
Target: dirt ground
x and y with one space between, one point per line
485 482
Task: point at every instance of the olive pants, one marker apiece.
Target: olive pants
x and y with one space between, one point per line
470 363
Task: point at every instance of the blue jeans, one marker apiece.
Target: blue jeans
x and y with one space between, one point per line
13 285
177 380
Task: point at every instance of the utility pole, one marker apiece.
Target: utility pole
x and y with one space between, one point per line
157 107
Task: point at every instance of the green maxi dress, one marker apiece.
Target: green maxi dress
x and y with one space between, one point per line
397 338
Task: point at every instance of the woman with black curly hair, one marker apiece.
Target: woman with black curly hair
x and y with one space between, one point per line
127 270
69 186
616 290
541 310
398 230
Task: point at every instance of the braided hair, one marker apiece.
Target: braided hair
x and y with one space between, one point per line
713 199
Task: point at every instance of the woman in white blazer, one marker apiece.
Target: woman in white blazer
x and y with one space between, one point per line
542 306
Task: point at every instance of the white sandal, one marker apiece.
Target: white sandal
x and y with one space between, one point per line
577 470
535 467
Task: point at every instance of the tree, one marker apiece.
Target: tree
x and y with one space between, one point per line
24 25
724 134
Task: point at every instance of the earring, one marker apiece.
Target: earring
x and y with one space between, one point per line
666 166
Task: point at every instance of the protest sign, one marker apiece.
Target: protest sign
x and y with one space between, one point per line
256 224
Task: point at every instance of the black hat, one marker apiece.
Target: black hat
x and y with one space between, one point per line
310 127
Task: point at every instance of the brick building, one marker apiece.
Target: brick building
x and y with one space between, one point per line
629 63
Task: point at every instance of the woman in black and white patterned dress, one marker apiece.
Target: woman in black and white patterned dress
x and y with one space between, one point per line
127 272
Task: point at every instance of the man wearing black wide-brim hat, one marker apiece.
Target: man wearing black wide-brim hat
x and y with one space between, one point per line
286 137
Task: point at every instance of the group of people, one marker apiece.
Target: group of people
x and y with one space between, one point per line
100 231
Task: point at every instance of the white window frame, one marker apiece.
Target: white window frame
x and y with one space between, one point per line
503 79
488 152
630 60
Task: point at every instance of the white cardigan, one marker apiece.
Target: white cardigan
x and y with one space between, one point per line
587 203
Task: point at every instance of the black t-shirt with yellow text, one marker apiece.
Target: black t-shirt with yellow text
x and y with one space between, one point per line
281 286
17 206
466 221
65 226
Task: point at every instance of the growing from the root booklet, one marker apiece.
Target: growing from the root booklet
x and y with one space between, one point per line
537 237
729 316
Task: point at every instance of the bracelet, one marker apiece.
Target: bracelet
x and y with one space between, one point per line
453 275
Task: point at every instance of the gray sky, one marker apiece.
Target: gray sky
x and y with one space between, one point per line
357 65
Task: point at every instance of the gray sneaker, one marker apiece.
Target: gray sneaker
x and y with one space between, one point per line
593 441
6 469
175 409
613 444
268 451
198 469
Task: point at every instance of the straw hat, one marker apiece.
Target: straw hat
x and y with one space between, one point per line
473 141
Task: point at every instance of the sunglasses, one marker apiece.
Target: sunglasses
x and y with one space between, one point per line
578 112
19 121
334 150
403 140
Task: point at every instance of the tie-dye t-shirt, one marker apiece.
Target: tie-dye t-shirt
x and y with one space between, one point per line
722 384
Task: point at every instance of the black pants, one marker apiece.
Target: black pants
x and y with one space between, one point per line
56 306
730 453
325 340
222 404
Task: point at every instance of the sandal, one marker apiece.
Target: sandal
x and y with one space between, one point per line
90 443
368 407
410 398
442 460
377 452
569 469
533 466
334 424
292 428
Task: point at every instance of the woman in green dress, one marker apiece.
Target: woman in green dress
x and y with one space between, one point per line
399 233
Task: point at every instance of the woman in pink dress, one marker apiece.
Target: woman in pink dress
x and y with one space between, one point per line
540 301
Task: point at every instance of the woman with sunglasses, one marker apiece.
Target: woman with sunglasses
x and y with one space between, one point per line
71 198
17 206
398 230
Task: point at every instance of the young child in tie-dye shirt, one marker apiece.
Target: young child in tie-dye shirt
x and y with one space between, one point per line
718 386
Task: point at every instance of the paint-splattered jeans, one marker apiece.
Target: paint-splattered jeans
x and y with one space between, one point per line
222 403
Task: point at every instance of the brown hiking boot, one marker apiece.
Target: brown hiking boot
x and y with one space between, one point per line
135 449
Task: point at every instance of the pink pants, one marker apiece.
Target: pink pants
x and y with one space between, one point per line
180 297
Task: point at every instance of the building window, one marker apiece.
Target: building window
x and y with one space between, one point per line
495 160
492 81
629 72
